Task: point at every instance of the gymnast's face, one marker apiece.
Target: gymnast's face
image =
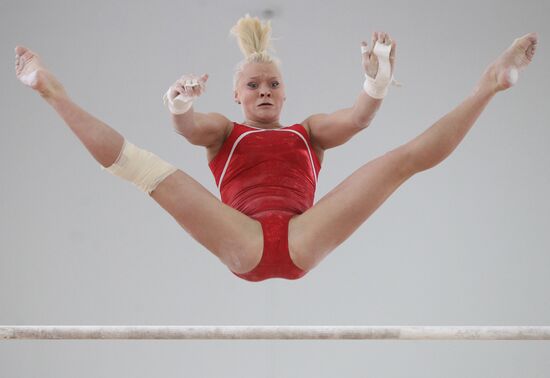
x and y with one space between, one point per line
260 83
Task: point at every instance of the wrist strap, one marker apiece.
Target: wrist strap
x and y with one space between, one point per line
179 105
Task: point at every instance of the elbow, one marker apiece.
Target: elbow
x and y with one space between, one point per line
363 122
360 124
180 133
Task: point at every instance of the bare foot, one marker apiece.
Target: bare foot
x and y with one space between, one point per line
30 70
503 73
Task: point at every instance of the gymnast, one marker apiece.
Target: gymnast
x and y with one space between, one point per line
266 225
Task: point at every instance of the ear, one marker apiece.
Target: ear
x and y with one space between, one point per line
236 96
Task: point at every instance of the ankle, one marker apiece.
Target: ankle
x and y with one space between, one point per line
54 97
59 102
47 85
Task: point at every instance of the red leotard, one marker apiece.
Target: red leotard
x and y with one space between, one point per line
271 176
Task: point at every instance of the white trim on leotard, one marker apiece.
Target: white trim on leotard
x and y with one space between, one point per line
259 131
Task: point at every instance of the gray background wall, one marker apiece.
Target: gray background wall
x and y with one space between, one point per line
465 243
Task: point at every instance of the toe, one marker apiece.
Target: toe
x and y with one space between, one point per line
527 40
531 52
27 56
533 37
20 50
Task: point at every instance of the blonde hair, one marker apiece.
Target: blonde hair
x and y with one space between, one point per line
254 38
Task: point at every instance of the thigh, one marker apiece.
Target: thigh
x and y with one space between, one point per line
323 227
232 236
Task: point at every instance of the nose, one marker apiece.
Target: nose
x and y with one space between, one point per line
265 92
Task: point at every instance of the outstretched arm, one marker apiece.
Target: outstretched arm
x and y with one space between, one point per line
331 130
335 129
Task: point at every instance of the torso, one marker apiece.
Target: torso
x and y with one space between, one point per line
212 151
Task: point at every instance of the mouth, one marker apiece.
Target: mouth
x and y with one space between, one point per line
265 104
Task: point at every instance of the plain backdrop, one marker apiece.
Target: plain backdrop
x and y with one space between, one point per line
465 243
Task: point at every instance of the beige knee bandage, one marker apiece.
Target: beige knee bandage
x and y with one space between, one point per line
143 168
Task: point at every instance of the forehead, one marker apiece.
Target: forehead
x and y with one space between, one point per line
261 71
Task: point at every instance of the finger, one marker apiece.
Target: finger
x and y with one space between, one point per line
381 37
393 49
189 83
195 87
191 86
183 89
195 90
178 89
364 50
392 55
202 88
374 39
172 92
187 90
202 83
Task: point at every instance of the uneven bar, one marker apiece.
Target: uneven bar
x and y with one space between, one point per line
278 332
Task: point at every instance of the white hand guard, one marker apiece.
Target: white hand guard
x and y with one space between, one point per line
378 87
181 103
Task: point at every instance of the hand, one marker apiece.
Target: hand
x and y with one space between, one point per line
370 61
188 86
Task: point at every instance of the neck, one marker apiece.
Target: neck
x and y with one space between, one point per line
263 125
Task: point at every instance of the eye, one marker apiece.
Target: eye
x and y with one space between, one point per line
276 82
252 85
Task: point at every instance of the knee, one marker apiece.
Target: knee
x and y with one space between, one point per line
241 257
405 160
303 261
421 159
305 254
141 167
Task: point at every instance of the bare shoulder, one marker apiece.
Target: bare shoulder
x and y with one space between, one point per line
305 123
220 128
211 129
319 151
314 118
